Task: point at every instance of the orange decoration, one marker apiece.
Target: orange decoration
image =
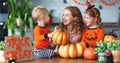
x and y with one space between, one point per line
89 54
109 38
60 37
83 44
71 50
10 55
18 48
83 3
109 4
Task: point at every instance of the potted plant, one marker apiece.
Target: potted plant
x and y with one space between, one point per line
100 50
101 47
114 46
19 16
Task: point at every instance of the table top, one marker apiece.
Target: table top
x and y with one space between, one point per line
61 60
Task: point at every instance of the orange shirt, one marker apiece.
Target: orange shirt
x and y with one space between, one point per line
41 41
92 36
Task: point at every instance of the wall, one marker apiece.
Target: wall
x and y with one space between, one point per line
114 29
109 14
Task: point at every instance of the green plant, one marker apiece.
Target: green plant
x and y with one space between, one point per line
20 11
2 44
101 47
114 45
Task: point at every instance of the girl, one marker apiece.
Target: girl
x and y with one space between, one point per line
42 33
72 20
93 32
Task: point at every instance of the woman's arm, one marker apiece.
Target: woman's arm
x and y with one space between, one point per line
75 38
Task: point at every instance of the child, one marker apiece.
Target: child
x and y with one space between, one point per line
42 33
72 20
93 32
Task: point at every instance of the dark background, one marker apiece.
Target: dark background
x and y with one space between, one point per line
3 10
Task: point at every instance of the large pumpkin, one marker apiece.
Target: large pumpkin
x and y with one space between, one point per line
71 50
89 54
83 44
60 37
109 38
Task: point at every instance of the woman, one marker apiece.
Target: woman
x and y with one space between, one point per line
73 22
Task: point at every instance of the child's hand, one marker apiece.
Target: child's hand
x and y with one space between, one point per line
50 35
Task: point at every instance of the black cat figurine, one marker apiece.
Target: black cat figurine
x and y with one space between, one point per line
109 56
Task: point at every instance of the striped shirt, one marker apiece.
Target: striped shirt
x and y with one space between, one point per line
44 53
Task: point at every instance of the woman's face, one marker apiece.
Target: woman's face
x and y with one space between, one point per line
88 20
67 17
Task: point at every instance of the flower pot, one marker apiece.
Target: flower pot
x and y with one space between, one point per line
116 56
2 59
101 57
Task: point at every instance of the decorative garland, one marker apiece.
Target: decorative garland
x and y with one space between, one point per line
83 3
109 4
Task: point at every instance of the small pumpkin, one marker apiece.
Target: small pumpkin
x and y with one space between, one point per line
89 53
60 37
71 50
109 38
10 55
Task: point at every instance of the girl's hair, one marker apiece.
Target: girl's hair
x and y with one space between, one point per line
38 11
94 12
78 24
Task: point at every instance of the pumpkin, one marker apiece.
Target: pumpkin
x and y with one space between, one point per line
83 44
71 50
10 55
109 38
89 53
60 37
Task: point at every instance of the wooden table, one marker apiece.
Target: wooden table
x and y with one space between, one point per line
61 60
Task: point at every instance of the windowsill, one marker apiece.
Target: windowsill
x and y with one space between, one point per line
112 25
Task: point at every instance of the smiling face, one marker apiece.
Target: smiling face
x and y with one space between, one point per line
67 17
88 20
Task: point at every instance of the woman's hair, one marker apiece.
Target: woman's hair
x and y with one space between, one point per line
94 12
38 11
78 24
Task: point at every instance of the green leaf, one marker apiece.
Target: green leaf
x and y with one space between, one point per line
101 47
31 23
2 44
114 45
19 9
